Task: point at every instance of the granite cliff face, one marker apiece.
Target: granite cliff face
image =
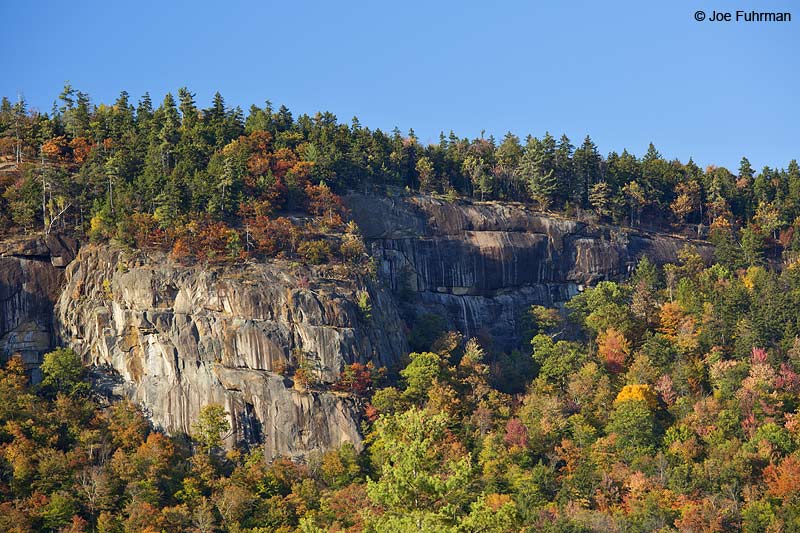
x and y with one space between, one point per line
174 338
481 265
182 337
31 275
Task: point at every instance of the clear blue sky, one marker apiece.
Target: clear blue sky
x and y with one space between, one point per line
624 72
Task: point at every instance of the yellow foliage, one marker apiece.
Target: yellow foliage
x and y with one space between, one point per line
752 274
642 393
679 327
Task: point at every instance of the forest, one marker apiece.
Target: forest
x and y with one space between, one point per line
223 185
667 402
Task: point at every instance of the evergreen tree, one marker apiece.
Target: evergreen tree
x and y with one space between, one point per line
536 170
600 199
586 163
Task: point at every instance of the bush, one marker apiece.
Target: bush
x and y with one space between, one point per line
315 252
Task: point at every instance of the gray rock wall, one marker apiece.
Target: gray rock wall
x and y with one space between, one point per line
30 282
175 338
481 265
182 337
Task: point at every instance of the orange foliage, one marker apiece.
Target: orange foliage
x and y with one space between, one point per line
347 505
358 379
613 349
81 147
703 516
322 202
783 481
260 141
145 230
273 236
55 148
213 241
678 326
283 160
181 249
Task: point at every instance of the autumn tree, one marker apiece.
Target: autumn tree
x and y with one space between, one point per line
211 427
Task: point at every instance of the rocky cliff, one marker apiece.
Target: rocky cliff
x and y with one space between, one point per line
481 265
31 275
175 338
181 337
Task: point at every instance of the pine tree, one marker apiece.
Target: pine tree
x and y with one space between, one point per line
600 198
568 188
536 172
586 162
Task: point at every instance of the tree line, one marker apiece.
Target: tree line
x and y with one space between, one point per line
127 171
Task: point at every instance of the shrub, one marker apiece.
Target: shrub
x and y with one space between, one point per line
315 252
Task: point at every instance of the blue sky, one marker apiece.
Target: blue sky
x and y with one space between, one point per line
625 72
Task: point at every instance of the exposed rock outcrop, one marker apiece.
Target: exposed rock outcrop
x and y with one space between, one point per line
30 281
182 337
174 338
481 265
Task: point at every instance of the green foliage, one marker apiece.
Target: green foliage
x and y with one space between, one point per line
315 252
364 304
211 185
419 483
633 423
63 372
211 426
604 306
420 374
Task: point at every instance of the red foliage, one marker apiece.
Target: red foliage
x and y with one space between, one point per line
759 356
283 160
145 230
516 434
213 241
787 380
347 506
273 236
666 390
358 379
322 202
785 236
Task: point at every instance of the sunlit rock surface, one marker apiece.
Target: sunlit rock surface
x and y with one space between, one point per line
181 337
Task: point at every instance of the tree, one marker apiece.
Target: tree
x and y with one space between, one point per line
63 371
636 199
422 477
211 427
427 176
478 172
536 171
508 155
613 349
419 375
768 218
687 201
586 163
633 422
752 245
600 198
